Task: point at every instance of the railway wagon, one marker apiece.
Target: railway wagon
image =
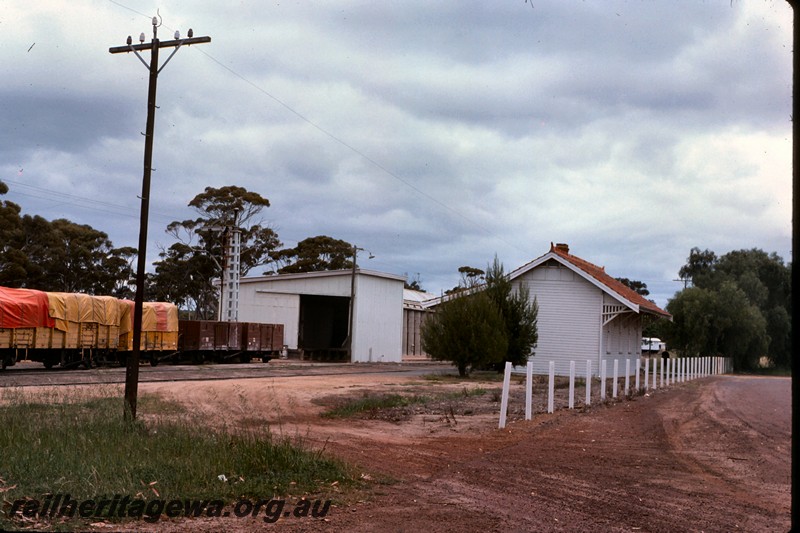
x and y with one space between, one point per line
159 339
261 340
65 329
211 340
72 329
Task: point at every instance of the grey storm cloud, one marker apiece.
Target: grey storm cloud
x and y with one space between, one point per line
434 134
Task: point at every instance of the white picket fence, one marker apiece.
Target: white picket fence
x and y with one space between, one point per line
670 371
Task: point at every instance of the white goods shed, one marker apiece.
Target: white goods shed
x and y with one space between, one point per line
584 313
315 309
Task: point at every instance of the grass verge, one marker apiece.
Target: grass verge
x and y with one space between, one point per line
77 444
371 403
475 375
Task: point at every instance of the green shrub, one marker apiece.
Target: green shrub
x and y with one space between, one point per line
466 330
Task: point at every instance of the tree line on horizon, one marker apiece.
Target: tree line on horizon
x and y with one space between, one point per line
737 305
63 256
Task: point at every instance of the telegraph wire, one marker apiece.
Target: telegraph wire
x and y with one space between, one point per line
89 203
344 143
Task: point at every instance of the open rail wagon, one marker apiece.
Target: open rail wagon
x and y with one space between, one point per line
159 338
209 340
72 329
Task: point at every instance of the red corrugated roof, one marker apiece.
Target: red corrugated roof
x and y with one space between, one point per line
600 275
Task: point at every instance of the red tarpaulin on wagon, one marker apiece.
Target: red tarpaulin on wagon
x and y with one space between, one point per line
24 308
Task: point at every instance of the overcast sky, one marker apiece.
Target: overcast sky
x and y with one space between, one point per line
433 134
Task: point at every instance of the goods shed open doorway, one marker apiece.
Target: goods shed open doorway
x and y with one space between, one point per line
323 327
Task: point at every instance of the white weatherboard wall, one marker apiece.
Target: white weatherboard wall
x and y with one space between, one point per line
569 318
622 338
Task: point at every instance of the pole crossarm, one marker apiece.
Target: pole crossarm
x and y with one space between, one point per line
161 44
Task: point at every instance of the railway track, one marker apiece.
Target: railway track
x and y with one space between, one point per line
20 376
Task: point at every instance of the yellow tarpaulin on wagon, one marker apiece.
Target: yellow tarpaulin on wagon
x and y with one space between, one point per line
67 307
156 316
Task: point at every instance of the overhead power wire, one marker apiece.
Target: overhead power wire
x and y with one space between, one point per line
91 203
342 142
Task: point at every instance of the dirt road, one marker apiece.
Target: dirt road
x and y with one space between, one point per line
713 455
708 455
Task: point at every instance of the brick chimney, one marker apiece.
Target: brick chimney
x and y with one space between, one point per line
562 247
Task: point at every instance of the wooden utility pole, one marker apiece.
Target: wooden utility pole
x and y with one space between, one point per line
132 368
795 276
352 306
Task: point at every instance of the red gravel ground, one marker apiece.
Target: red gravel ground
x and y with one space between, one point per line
707 455
711 455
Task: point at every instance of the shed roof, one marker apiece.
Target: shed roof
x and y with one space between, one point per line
416 299
597 276
322 274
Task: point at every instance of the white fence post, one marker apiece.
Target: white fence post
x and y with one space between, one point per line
655 373
627 375
638 368
663 361
504 397
614 384
588 382
647 373
572 384
551 387
602 380
670 368
529 390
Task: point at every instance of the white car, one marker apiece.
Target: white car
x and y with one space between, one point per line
653 345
